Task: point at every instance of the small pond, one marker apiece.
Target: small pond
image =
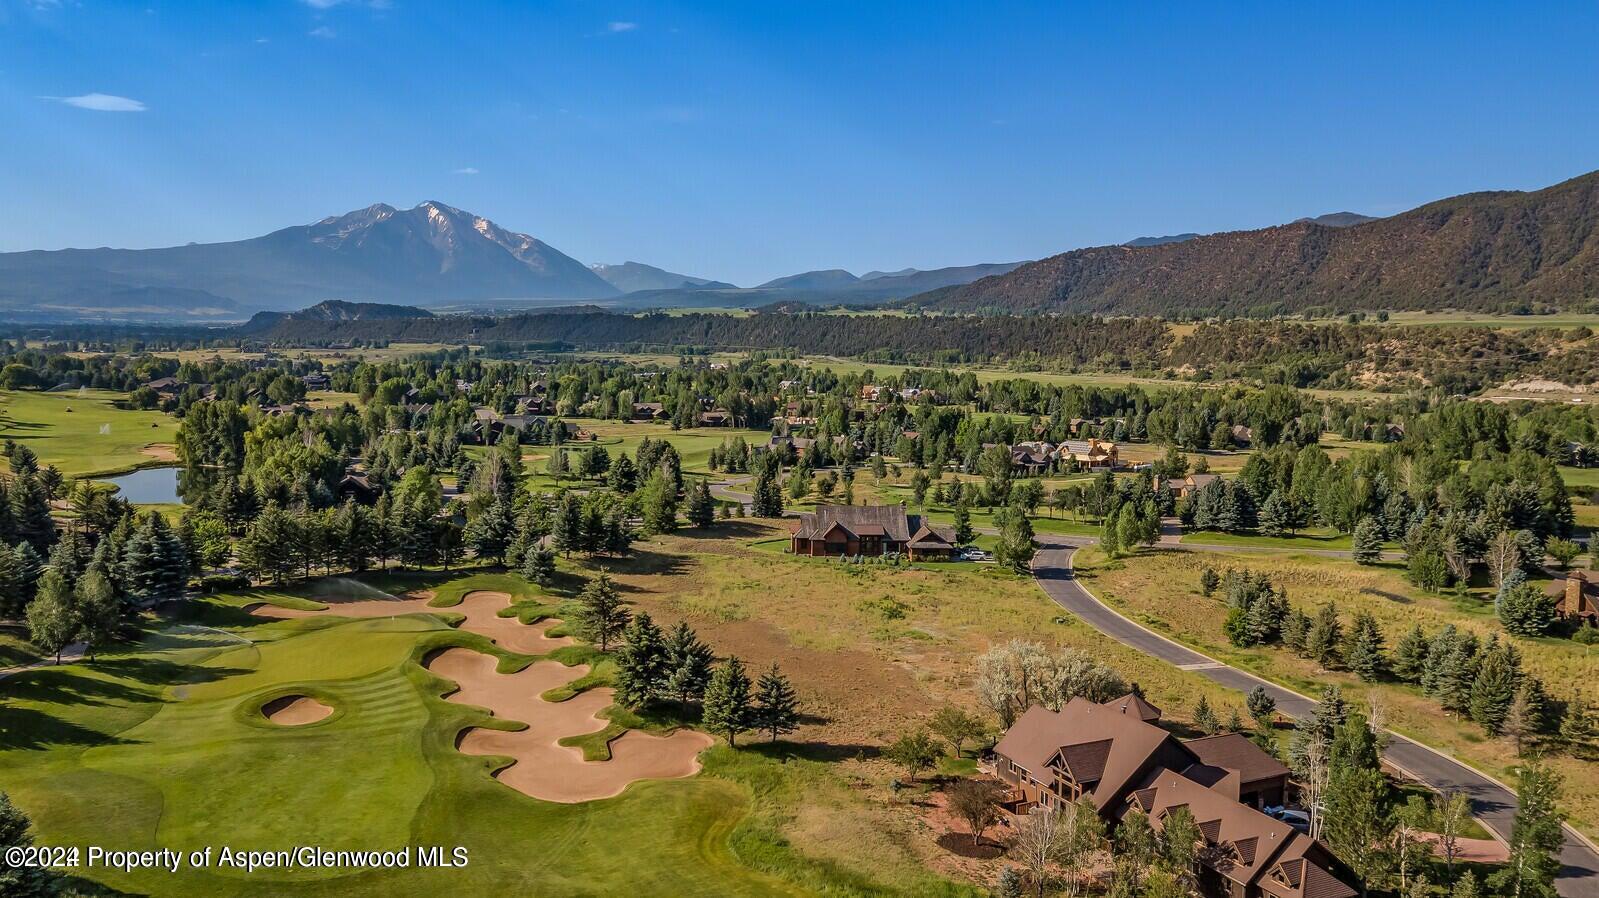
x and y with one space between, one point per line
148 486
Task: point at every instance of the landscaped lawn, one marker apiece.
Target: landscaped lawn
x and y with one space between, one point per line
82 433
1161 589
1580 478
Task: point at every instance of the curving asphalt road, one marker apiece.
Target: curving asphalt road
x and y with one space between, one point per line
1491 802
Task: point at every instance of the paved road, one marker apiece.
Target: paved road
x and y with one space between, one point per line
70 654
1491 802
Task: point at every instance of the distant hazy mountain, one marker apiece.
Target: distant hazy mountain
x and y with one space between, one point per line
431 253
1330 220
1160 241
829 279
874 275
1339 219
1491 250
632 276
337 310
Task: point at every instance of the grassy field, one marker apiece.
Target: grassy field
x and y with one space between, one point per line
82 433
1161 589
1319 538
1498 322
1580 478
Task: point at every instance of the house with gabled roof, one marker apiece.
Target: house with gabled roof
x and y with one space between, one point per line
1115 756
1577 596
834 531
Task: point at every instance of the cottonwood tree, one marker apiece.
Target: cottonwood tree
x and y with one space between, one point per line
727 708
601 615
913 751
956 726
1450 818
52 615
776 708
1535 836
98 609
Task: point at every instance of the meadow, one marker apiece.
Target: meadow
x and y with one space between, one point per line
1161 590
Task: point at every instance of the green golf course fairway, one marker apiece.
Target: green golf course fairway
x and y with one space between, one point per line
81 432
163 745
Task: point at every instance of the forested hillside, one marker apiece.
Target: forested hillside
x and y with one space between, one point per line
1501 250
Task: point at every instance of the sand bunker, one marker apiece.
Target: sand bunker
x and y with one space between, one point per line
480 608
295 710
544 768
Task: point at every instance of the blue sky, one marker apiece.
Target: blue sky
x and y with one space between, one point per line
747 140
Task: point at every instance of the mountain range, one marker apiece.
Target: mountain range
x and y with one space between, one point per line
1490 251
431 253
631 277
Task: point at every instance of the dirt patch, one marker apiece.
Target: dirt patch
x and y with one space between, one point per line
160 452
295 710
1476 851
544 768
480 608
962 844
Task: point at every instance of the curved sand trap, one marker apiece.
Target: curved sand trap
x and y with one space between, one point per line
295 710
544 768
480 608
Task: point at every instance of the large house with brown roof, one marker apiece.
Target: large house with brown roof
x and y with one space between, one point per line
1577 596
871 530
1114 756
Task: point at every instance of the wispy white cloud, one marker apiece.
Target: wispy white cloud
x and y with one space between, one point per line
323 32
621 27
101 102
469 170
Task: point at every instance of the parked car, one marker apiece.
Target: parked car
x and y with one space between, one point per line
975 555
1293 817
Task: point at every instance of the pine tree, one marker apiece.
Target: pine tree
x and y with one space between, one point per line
14 590
1577 729
963 524
690 662
1208 581
1357 819
1205 718
1296 630
641 663
1494 689
1324 639
17 880
1526 610
1527 718
538 566
1016 546
1274 515
727 701
601 615
623 476
1410 656
1262 707
1365 654
489 534
701 507
566 530
657 500
776 709
767 499
1368 541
